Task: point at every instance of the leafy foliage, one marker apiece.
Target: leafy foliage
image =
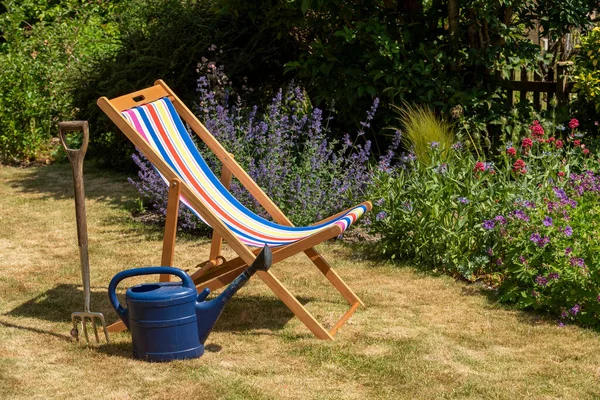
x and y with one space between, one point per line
46 47
587 74
166 40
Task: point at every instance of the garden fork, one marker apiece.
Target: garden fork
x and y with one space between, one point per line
76 158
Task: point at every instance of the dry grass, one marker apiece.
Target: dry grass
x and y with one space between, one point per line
421 336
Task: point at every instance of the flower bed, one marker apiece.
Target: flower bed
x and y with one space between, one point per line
527 223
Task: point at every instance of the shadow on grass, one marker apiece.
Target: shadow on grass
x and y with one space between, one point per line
57 304
65 337
242 313
56 182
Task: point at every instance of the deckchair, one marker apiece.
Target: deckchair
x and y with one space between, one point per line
153 119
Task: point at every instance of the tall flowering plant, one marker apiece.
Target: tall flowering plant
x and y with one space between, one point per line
286 149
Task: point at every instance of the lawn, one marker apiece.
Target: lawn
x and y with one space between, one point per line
421 336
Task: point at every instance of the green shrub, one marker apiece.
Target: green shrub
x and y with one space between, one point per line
587 76
167 40
46 49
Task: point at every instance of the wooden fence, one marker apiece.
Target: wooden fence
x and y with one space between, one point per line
542 89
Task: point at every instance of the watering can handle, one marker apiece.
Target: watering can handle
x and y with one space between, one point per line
112 287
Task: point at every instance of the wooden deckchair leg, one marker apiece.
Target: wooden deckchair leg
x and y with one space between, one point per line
217 240
294 305
332 276
168 250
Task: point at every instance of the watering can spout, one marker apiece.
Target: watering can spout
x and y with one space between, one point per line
208 312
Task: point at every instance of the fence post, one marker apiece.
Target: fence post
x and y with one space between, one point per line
562 96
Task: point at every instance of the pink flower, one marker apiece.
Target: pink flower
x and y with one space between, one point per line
527 143
519 165
552 139
511 151
573 123
536 130
577 142
559 144
479 166
586 152
561 173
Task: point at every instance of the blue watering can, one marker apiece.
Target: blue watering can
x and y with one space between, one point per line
170 320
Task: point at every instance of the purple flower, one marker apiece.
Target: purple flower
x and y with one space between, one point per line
553 276
457 146
535 237
568 251
464 200
488 224
522 259
540 280
499 261
380 202
381 215
520 214
575 309
442 168
561 324
577 262
490 251
500 219
539 240
547 221
568 231
434 144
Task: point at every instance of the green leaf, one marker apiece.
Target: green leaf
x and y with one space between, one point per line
305 5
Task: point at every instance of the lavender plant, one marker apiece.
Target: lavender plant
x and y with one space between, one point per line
286 149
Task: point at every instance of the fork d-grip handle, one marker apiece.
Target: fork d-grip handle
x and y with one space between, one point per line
76 158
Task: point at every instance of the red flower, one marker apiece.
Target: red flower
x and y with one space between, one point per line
559 144
527 143
577 142
552 139
511 151
573 123
561 173
536 130
479 166
519 165
586 151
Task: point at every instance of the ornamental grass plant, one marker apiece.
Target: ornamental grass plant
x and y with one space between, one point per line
421 128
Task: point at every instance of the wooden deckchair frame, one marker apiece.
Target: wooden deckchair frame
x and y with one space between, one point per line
217 271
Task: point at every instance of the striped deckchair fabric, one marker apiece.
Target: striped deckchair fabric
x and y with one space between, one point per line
153 119
161 127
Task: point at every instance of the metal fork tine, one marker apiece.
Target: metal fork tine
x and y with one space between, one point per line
95 330
104 327
85 333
